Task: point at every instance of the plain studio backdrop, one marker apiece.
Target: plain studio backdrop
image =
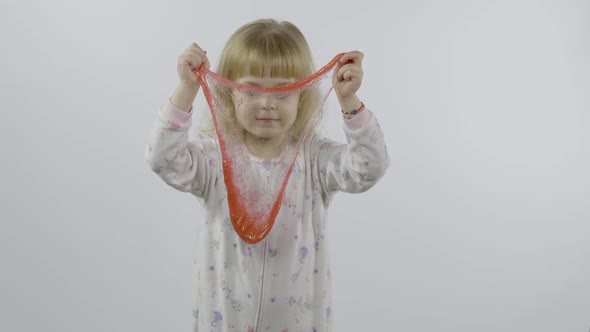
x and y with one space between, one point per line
482 222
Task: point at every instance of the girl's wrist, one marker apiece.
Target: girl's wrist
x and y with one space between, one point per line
350 104
354 112
189 86
184 96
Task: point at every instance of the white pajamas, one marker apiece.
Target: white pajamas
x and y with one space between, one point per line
282 283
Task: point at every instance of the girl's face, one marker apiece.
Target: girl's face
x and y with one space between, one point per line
265 115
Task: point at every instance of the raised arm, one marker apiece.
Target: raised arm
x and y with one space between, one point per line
357 165
183 165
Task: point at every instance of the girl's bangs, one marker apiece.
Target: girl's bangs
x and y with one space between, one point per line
277 62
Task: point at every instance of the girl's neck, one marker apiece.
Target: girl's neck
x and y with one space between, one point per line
265 148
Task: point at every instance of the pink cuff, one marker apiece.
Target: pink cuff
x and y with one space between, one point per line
358 120
175 114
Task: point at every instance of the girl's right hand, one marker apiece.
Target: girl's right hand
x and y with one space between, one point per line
191 59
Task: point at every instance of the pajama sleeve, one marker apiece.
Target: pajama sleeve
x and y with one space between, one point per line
356 166
182 164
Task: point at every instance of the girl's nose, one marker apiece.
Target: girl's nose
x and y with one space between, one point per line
268 102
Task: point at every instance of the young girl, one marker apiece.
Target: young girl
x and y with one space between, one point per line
282 283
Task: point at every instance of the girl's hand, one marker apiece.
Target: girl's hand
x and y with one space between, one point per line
349 76
191 59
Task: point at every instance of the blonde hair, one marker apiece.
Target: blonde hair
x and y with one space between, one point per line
278 47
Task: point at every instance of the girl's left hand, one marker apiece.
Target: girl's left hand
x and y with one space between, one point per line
349 76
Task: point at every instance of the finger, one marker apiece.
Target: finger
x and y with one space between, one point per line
195 46
196 49
351 66
348 66
340 75
199 61
341 71
344 75
202 55
204 59
192 47
194 52
355 56
193 61
350 75
186 60
348 72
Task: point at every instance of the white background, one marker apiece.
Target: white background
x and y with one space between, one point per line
482 222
